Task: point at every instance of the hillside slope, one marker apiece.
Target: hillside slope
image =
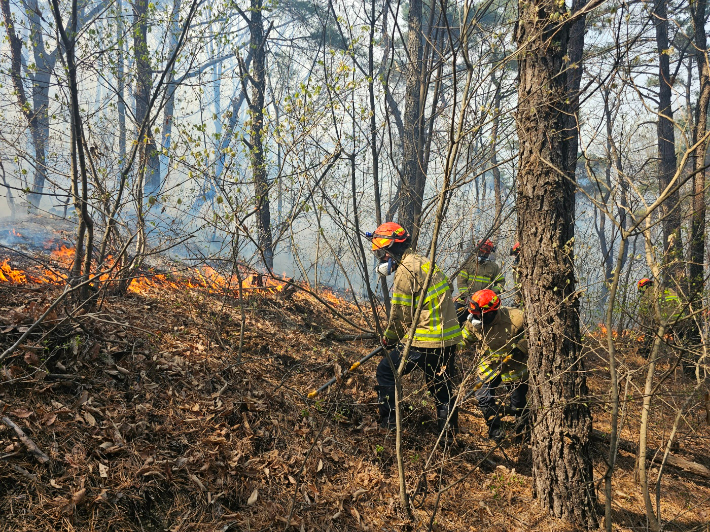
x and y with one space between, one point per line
152 420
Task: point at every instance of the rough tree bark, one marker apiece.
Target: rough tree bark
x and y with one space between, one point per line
412 116
697 235
256 143
562 467
670 209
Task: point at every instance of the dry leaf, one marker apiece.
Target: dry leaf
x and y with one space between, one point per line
358 492
91 420
320 466
355 514
103 470
49 419
291 479
54 484
22 413
31 358
253 497
79 497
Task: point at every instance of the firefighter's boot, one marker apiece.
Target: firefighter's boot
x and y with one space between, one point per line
447 422
386 403
495 427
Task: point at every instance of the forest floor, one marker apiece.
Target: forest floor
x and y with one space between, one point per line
152 420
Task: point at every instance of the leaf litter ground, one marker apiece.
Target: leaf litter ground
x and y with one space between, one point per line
152 422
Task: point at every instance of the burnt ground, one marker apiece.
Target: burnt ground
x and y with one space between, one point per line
152 420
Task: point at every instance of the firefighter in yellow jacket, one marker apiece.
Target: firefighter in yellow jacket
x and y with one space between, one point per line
671 308
476 274
499 335
436 333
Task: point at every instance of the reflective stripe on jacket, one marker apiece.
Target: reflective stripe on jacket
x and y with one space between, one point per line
504 336
437 325
475 276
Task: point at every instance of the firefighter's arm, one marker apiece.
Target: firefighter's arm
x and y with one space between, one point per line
462 281
519 351
401 310
471 332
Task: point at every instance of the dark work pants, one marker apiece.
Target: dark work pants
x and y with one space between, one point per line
490 407
431 361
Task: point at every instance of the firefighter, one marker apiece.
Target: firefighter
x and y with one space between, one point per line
436 333
499 335
477 273
517 294
646 315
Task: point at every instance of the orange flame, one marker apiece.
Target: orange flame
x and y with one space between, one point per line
9 275
204 278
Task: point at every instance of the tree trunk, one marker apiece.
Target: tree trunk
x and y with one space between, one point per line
171 87
412 115
670 209
494 157
562 467
149 158
256 112
120 87
697 243
373 144
35 120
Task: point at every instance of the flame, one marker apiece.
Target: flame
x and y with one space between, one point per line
64 255
203 278
9 275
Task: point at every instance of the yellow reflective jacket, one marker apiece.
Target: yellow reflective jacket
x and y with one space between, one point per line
437 325
670 305
504 336
475 276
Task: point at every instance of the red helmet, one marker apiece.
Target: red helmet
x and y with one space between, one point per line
386 235
483 302
515 250
644 283
486 247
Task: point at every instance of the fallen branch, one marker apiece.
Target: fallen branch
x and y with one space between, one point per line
31 446
331 335
674 461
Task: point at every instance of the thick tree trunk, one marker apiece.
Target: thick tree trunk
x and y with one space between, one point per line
412 115
670 209
256 112
562 468
697 238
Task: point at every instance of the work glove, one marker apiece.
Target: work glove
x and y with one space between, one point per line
475 322
388 343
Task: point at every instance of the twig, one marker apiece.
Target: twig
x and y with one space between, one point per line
22 471
31 446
